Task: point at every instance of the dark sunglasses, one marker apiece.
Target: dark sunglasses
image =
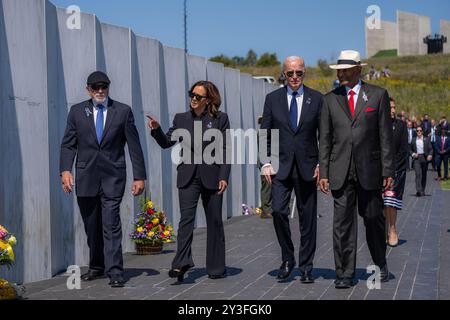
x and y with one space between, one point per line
419 131
290 74
97 87
197 97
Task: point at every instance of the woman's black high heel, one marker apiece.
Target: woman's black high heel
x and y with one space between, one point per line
179 273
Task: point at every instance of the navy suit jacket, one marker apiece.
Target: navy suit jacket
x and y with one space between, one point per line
101 165
438 145
301 144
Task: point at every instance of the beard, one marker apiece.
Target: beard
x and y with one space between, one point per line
100 100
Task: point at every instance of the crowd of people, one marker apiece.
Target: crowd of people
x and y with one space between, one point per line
435 136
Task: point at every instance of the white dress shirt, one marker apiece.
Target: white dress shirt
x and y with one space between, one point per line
419 145
356 90
299 99
105 111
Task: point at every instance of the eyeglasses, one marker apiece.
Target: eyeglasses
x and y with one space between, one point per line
97 87
299 73
197 97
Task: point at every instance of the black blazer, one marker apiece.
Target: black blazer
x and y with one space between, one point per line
101 165
368 137
427 147
401 148
302 143
210 174
413 133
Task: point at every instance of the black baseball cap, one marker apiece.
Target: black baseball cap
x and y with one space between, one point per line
98 77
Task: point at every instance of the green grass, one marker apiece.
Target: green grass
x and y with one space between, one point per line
419 84
445 185
386 53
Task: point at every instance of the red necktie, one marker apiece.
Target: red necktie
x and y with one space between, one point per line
351 103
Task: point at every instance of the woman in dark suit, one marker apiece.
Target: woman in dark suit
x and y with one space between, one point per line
198 178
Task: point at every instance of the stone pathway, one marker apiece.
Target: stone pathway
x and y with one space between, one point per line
419 266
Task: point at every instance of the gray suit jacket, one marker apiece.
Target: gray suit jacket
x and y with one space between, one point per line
368 137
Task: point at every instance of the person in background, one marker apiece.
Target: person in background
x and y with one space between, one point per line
336 83
266 190
411 135
372 72
432 136
442 152
393 197
282 80
421 153
426 125
404 116
444 123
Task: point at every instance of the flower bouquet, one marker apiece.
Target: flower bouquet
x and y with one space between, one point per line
7 241
151 229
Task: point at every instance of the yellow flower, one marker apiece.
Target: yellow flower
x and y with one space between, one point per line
12 240
149 204
7 291
6 246
140 229
167 233
155 221
170 228
151 234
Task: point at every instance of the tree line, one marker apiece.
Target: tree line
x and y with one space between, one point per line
250 60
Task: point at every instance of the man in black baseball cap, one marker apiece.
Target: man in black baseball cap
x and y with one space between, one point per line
96 133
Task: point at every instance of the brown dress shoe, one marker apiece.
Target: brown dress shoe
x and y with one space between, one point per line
265 215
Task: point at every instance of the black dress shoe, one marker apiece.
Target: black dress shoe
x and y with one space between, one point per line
217 276
343 283
418 194
306 277
179 273
117 282
92 275
285 269
384 274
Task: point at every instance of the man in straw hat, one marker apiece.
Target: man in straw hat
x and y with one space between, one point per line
356 163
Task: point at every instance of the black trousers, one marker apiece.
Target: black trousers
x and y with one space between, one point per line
442 159
215 242
345 226
420 166
101 217
306 195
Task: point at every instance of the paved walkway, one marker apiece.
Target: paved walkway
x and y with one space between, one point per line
419 266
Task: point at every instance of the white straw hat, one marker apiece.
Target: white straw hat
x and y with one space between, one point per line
348 59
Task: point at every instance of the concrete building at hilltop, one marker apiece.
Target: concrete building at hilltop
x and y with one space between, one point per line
406 35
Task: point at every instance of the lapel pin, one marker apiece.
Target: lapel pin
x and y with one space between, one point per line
209 125
88 112
365 97
308 101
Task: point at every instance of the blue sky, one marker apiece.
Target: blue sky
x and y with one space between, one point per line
316 29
